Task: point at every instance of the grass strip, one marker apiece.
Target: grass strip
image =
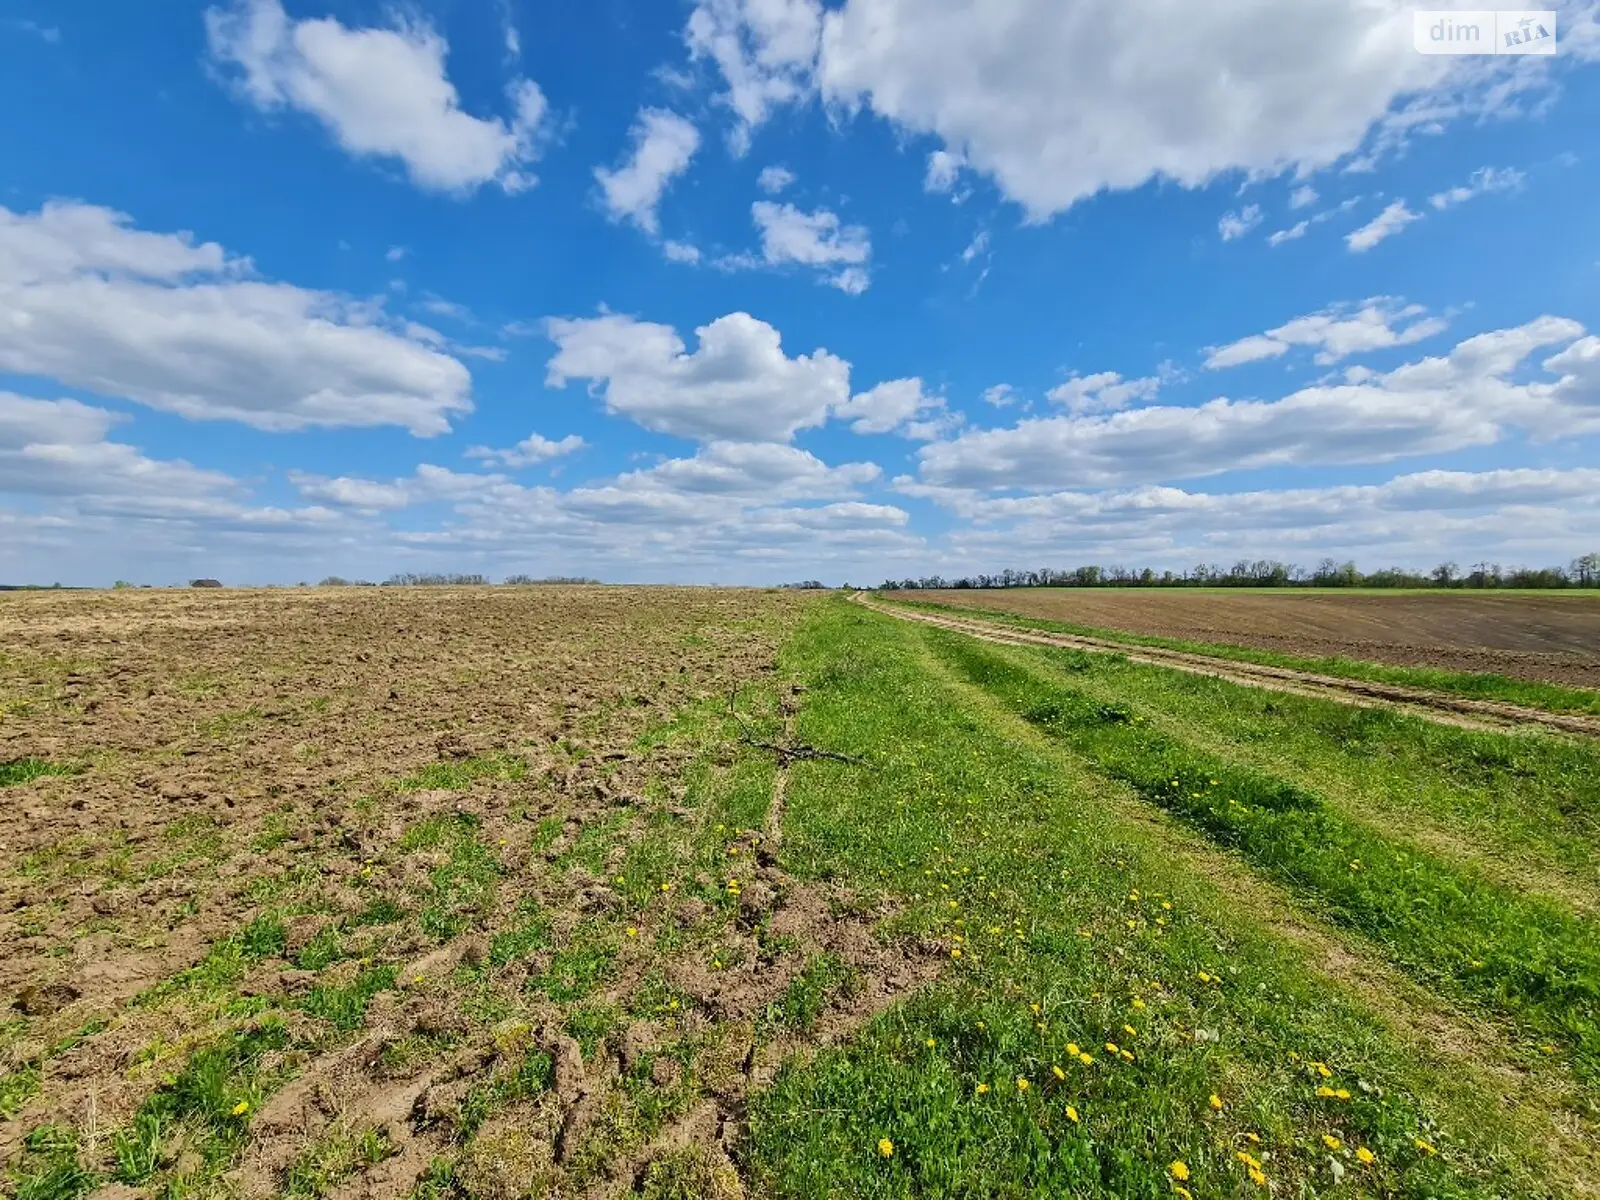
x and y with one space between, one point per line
1445 924
1470 685
1108 1024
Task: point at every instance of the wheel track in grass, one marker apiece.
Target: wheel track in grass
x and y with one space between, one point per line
1488 715
1476 1044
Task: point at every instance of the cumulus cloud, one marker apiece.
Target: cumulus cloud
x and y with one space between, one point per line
1303 197
1236 224
1434 405
663 145
1106 391
1386 224
1338 332
1001 395
895 404
1480 182
738 385
380 92
775 179
765 50
944 168
1519 515
178 325
820 240
530 451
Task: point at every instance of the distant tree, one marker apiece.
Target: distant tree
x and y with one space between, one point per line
1445 574
1586 570
334 581
205 583
121 585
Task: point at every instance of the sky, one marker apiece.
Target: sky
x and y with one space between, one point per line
753 291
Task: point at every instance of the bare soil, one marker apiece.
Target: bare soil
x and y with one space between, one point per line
1553 638
236 754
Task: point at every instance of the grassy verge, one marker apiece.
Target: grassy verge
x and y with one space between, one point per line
1109 1024
1524 810
1467 684
1517 955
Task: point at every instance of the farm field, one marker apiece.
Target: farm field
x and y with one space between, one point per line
583 892
1546 636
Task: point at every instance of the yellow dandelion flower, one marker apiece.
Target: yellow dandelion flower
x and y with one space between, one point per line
1205 977
983 1089
1126 1056
885 1147
930 1043
955 952
1248 1160
1425 1147
1086 1059
1072 1049
1130 1031
241 1108
1322 1069
1058 1073
1182 1193
1215 1102
1253 1137
1180 1170
1325 1092
1342 1094
633 931
1072 1114
1111 1047
1022 1084
1138 1003
1257 1178
1366 1156
1331 1142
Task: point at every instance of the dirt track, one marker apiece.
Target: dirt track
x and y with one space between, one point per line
1553 637
1434 706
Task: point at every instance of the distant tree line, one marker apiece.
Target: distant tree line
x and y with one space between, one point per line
807 585
451 580
1582 572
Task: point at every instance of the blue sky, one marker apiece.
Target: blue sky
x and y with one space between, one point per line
748 291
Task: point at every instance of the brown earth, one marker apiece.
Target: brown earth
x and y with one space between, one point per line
1553 638
242 756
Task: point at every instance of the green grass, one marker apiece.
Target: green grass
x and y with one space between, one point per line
459 774
49 1167
26 770
345 1007
1467 684
462 888
210 1101
999 847
333 1158
1521 956
1527 808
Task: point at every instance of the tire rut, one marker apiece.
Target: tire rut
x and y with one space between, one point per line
1484 715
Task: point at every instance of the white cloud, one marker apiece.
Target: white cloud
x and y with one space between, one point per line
1303 197
1386 224
1237 224
758 471
1338 331
180 326
815 239
1106 391
1059 102
978 244
739 385
766 51
380 92
1522 516
531 451
1480 182
944 168
680 252
395 253
774 179
663 145
1001 395
344 492
888 406
46 33
1435 405
1297 230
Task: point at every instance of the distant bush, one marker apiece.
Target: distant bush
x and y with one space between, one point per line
206 583
435 580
